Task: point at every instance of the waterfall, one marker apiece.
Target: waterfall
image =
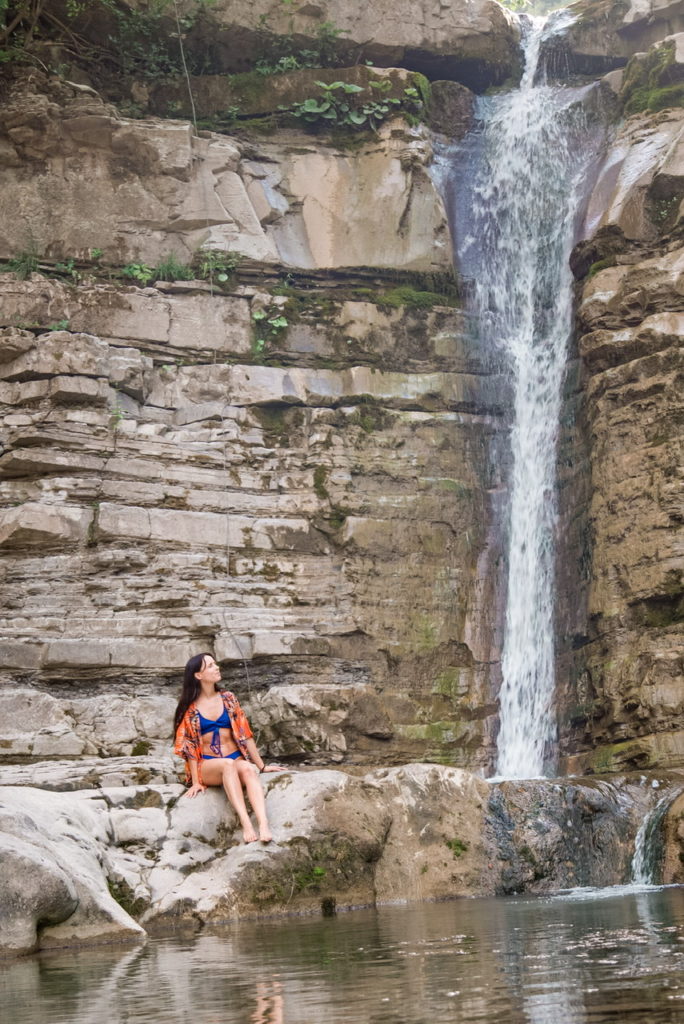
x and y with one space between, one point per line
648 842
527 165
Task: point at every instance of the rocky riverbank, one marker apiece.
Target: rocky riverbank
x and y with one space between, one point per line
122 857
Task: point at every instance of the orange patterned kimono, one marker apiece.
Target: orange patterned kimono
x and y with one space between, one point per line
188 743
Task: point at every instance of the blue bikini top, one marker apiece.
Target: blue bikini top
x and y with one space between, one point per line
214 726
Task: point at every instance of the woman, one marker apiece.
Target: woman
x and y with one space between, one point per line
214 739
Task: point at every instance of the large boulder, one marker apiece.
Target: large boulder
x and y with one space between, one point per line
36 892
51 876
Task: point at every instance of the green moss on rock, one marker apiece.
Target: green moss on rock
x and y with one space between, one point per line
654 81
599 265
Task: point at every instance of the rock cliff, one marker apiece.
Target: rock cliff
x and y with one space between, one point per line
242 410
295 469
623 701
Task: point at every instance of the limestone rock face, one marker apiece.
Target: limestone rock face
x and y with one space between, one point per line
52 874
640 189
314 502
672 862
304 520
153 188
623 696
474 42
595 36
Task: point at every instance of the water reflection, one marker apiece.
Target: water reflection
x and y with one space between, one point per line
573 959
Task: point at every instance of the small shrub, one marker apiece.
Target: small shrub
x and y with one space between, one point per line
457 846
599 265
171 270
24 263
340 105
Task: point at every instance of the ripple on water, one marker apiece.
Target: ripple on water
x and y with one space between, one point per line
508 961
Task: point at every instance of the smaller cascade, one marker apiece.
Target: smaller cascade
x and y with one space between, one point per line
648 847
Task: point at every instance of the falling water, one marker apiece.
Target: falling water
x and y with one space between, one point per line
517 228
648 842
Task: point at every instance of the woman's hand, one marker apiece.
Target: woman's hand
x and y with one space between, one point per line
195 789
273 768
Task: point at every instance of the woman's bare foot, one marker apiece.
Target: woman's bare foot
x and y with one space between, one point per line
265 834
248 834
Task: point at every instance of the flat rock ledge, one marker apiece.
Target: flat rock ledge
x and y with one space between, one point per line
126 858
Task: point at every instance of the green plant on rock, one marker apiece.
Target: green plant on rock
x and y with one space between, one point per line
142 39
116 416
332 105
224 121
599 265
653 81
281 53
170 269
346 105
269 325
24 263
68 268
138 272
216 265
457 846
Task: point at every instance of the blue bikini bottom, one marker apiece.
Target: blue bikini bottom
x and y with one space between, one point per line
224 757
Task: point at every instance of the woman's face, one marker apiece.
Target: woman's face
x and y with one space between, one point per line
210 672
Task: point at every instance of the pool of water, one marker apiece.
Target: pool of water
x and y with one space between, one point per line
583 956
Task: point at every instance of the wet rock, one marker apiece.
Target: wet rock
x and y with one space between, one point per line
555 835
595 36
451 109
35 892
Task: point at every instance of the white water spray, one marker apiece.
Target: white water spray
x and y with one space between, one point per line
647 842
520 225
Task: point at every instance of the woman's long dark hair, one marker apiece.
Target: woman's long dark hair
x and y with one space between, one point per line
191 687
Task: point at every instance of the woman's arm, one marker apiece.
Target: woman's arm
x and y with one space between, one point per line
258 760
196 786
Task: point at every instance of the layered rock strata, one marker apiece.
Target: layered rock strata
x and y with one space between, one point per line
314 501
623 700
138 191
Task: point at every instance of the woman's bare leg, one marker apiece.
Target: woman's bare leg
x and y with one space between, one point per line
222 772
255 793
